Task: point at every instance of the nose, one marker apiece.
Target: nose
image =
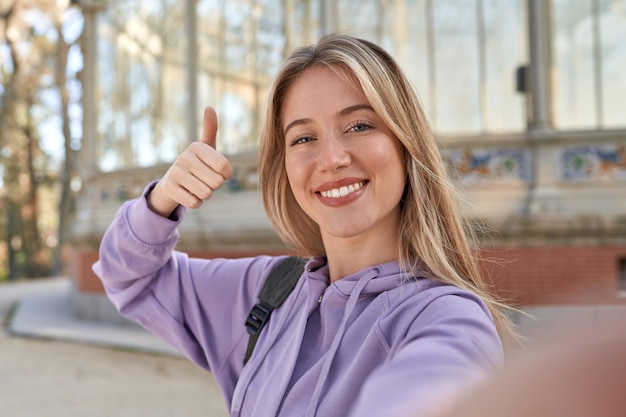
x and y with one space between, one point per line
333 153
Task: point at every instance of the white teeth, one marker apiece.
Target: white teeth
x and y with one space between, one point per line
341 191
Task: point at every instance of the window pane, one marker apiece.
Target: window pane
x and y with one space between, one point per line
302 18
240 46
237 117
589 57
411 48
360 18
573 58
505 51
456 64
612 21
141 84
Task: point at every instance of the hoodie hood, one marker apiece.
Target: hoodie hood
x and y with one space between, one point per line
336 305
382 277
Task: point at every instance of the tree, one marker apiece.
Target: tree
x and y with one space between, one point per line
33 91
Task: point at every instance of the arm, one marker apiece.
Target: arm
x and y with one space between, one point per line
198 306
449 346
574 372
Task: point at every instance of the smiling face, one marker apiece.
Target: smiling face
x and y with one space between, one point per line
345 167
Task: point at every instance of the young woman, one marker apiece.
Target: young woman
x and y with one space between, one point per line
391 308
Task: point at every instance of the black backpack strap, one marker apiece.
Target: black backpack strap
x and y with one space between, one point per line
279 284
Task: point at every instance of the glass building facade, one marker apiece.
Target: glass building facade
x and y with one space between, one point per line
159 62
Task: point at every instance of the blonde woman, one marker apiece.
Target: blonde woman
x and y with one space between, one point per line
391 308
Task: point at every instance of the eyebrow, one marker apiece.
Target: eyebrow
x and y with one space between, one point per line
354 108
343 112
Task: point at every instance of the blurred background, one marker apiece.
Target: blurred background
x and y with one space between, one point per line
98 97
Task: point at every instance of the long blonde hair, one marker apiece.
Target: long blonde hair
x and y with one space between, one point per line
432 236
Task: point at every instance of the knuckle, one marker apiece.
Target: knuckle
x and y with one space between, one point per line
182 161
219 181
205 194
195 204
222 166
194 146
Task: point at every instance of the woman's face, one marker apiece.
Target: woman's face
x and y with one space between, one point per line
345 167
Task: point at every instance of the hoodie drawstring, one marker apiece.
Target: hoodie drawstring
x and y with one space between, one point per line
334 347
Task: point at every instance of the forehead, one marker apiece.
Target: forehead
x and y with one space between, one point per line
320 89
321 74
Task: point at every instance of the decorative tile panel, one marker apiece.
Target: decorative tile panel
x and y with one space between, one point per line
590 163
489 165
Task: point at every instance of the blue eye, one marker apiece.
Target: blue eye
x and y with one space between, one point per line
360 126
301 139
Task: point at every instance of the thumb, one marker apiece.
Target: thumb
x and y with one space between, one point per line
209 126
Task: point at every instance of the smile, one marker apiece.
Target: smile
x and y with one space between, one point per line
342 191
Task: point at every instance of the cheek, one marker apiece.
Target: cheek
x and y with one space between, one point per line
395 169
395 180
400 183
295 175
290 168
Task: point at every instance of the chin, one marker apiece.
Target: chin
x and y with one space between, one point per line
344 231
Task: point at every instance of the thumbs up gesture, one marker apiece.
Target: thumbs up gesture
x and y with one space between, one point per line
195 174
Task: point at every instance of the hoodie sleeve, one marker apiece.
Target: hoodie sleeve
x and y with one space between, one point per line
451 344
199 306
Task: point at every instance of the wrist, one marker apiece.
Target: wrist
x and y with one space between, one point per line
159 203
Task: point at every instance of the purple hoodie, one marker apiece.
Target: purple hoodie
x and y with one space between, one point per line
371 344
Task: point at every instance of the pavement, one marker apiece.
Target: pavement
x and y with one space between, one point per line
53 364
43 309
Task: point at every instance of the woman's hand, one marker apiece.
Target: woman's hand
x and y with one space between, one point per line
195 174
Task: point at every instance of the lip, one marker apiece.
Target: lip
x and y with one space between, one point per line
341 201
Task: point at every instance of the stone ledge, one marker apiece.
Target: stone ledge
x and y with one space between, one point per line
549 229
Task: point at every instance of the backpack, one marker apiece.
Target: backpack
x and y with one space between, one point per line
279 284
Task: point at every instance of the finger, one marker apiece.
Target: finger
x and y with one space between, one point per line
209 126
189 192
201 160
203 187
